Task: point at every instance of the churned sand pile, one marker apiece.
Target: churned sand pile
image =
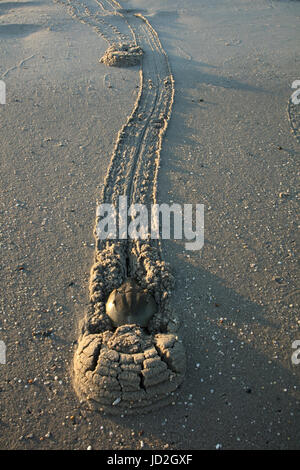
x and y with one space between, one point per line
122 55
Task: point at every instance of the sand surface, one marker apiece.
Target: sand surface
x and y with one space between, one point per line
230 145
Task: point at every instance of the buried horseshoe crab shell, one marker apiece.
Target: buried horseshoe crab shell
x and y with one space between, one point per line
130 304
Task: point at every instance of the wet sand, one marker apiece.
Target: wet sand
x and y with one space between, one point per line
229 145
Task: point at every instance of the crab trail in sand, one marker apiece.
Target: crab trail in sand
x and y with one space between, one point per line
129 369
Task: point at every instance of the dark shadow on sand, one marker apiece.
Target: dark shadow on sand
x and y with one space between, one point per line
18 30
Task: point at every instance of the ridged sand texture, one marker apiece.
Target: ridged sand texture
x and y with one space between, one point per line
130 369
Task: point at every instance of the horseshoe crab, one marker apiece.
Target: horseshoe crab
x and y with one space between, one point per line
130 304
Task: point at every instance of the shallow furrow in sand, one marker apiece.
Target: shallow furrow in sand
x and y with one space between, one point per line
88 13
157 75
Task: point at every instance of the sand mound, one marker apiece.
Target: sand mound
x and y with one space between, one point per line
128 370
122 55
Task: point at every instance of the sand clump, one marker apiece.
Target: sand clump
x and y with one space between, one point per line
122 55
128 370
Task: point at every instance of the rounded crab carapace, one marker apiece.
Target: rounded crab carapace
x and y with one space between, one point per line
130 304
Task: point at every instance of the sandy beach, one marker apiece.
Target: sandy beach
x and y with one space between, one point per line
232 144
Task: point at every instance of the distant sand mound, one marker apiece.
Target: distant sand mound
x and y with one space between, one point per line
122 55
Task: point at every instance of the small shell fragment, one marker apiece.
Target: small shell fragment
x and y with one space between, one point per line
117 401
